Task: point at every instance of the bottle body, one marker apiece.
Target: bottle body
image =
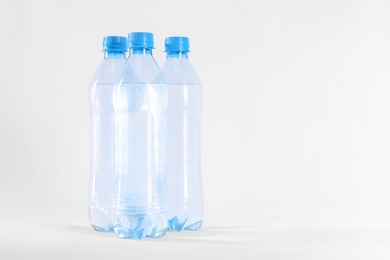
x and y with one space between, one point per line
140 210
102 138
185 187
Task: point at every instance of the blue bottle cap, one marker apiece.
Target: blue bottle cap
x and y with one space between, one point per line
114 43
177 43
141 40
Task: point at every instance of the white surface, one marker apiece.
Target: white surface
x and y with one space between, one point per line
67 237
296 128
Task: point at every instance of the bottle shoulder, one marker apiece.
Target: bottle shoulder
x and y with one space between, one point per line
142 68
108 71
180 71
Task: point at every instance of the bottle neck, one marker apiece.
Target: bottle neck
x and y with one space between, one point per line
177 54
142 51
114 55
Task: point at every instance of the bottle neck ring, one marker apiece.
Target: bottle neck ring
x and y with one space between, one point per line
141 50
115 54
177 54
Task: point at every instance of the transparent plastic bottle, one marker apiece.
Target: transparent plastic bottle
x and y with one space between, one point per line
140 105
102 123
185 187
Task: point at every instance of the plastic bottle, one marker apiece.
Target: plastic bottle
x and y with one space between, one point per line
183 138
140 105
102 123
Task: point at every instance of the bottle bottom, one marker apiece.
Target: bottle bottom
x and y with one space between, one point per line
100 220
100 229
140 226
177 225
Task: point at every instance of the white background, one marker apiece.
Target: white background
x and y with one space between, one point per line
296 136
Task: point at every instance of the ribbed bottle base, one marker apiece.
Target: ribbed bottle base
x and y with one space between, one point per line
100 229
140 226
176 225
100 220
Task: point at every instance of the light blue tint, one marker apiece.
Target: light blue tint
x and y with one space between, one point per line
184 171
140 209
102 133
